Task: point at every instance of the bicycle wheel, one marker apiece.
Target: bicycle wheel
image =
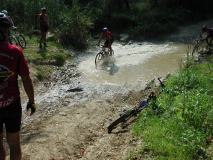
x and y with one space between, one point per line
116 122
127 115
99 57
21 41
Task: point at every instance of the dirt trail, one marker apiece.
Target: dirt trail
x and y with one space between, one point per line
63 131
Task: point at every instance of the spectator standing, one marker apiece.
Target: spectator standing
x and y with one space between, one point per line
44 26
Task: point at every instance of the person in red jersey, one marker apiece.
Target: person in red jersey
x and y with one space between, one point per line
109 38
12 65
44 26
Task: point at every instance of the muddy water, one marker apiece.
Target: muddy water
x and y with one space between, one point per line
135 64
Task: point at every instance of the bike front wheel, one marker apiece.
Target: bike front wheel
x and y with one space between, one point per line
21 41
99 57
111 53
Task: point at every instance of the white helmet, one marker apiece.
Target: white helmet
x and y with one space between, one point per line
5 12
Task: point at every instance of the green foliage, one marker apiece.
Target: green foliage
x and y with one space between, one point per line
43 71
40 73
184 127
73 22
75 26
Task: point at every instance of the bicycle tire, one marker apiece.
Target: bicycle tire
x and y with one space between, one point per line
98 58
22 41
127 115
116 122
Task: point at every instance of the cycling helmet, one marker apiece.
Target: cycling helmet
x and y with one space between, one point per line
4 21
5 12
204 28
104 29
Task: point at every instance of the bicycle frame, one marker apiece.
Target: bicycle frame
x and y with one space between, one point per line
199 46
17 38
133 112
102 54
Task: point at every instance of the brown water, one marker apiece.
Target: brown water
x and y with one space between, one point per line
135 63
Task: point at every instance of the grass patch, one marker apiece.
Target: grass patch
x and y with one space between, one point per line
43 59
179 125
52 55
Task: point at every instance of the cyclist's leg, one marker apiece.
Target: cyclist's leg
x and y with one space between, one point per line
13 140
2 149
106 43
13 125
112 40
45 36
42 36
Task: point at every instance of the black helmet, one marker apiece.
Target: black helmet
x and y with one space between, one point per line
104 29
4 21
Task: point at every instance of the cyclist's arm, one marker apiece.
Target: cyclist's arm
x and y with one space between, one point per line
28 87
99 40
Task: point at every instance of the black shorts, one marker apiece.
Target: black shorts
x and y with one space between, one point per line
11 117
107 41
43 28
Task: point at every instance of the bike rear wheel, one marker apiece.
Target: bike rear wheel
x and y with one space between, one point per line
99 57
21 41
116 122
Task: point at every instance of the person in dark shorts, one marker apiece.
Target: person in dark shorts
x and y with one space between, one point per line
44 26
12 65
209 34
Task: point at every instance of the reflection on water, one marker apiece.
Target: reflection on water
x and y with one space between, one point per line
135 63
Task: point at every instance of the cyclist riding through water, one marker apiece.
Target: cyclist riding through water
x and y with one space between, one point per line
209 35
109 38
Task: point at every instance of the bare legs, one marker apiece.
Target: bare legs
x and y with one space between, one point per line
43 39
2 149
13 140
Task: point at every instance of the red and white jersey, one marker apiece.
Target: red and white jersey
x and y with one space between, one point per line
12 65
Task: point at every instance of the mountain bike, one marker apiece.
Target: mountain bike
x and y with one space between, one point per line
17 39
103 54
200 46
135 111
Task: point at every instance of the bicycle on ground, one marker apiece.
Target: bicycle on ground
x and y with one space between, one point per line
16 39
135 111
103 54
